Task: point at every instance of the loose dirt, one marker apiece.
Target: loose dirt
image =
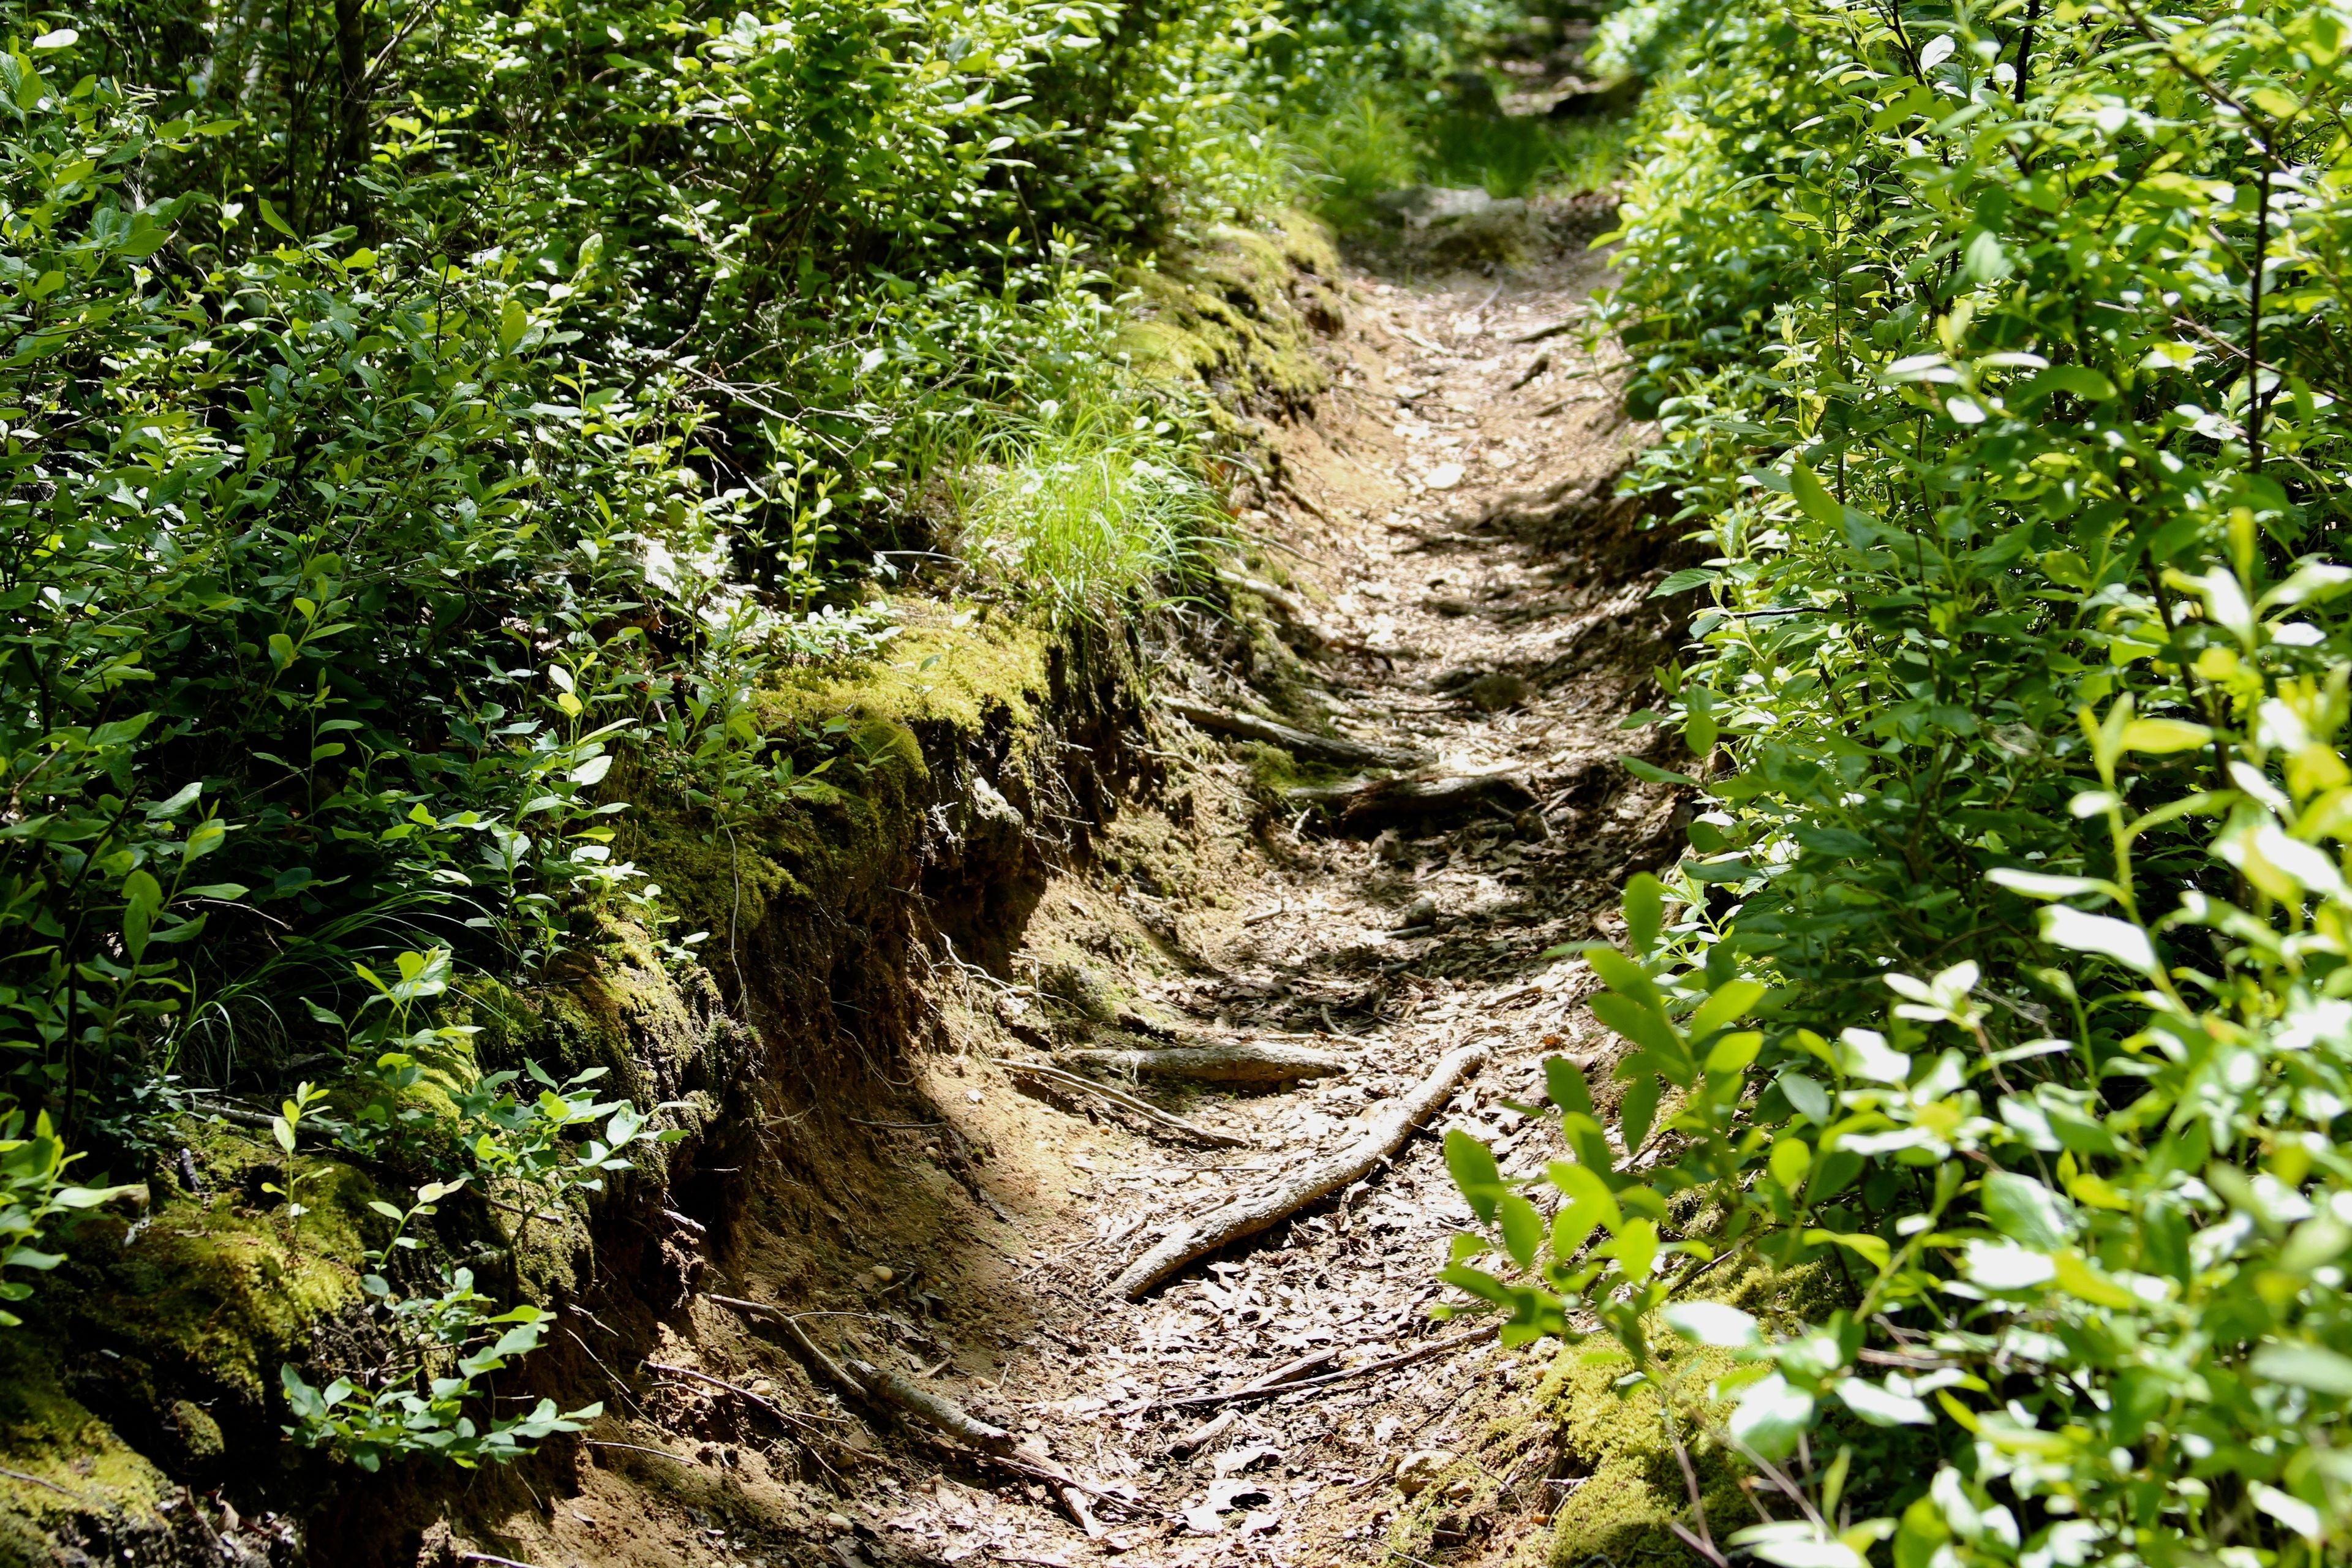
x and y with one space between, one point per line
1463 616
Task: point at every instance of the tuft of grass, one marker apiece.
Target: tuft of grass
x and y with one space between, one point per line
1364 146
1081 508
1525 156
1372 140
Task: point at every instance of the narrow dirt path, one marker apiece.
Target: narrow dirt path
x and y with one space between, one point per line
1497 655
1445 518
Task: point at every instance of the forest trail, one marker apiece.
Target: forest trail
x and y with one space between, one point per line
1501 635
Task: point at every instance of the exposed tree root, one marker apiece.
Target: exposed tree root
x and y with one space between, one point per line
1233 1061
1297 742
1320 1178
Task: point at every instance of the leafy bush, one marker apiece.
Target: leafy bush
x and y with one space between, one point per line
424 1407
33 1191
1995 359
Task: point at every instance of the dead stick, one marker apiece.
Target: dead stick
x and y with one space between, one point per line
1149 1112
792 1322
771 1407
953 1419
1247 1215
638 1448
1265 1390
1291 1371
38 1481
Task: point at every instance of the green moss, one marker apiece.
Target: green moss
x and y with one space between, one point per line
1238 315
1633 1486
962 672
230 1293
57 1458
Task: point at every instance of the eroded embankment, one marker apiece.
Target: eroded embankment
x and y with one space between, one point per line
1383 790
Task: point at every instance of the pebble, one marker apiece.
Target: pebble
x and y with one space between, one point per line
1421 1469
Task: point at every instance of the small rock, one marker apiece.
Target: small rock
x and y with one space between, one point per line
1493 693
881 1274
1422 912
840 1521
1421 1469
1443 477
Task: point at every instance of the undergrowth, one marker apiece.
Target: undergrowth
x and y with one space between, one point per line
1997 350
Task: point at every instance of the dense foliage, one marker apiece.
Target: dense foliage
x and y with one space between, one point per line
1999 351
425 428
425 423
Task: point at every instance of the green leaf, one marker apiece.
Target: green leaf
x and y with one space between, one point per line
2314 1367
1635 1110
1683 580
2080 380
1625 977
2124 942
1523 1230
1732 1000
269 215
2025 1211
1645 1027
2165 735
1713 1323
1644 909
1650 773
513 323
1472 1165
1564 1083
1814 498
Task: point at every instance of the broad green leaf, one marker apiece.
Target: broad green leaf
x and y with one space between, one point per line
1733 1000
1474 1170
1713 1323
1637 1107
1644 909
2165 735
2025 1211
2126 943
2314 1367
1523 1229
1814 498
1565 1085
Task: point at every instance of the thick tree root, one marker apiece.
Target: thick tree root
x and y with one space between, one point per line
945 1415
1376 803
1320 1178
1232 1061
1297 742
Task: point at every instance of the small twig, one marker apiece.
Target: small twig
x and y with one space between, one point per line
38 1481
1144 1109
769 1405
1704 1547
486 1557
1263 1390
1555 330
638 1448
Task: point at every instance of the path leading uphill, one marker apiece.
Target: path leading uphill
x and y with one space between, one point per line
1465 590
1439 520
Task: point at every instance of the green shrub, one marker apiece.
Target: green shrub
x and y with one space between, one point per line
1996 354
